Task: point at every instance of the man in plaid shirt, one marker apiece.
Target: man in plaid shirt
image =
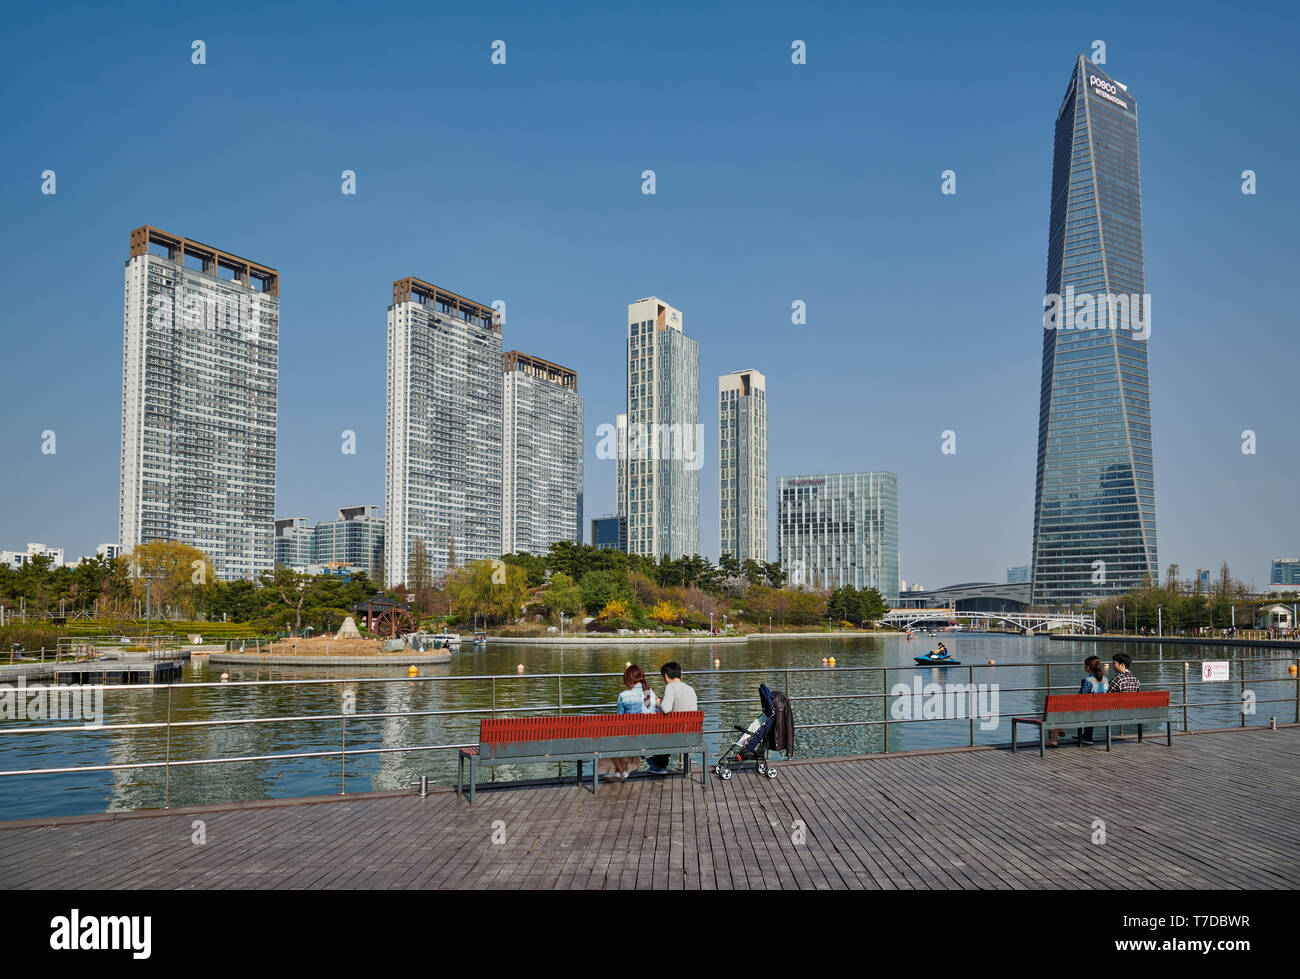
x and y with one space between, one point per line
1125 681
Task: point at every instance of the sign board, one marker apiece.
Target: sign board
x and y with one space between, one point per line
1214 669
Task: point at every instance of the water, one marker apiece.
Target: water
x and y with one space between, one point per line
822 696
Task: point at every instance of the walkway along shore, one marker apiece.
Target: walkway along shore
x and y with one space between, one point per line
1189 641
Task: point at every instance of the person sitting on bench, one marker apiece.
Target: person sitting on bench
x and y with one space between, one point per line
1094 681
1125 681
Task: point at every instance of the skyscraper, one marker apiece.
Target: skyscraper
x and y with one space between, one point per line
200 371
442 484
660 475
1094 498
742 465
542 482
839 529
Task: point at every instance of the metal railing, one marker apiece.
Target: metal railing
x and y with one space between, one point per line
879 718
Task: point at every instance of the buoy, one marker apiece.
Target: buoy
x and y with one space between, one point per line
519 668
825 661
717 663
992 663
1291 669
832 661
225 678
413 671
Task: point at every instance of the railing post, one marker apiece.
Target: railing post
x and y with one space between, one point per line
1184 696
492 770
1297 691
884 704
343 754
167 756
1241 706
970 676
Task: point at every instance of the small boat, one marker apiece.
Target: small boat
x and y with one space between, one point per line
480 639
446 640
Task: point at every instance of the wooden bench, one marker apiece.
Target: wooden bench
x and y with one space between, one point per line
1099 710
583 737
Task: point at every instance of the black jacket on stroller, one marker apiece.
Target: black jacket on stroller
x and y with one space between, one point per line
782 723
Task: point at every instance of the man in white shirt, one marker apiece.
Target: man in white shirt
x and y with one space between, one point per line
678 695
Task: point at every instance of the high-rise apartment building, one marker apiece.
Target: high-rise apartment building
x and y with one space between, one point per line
742 465
660 476
839 529
443 476
1094 498
354 539
199 382
542 447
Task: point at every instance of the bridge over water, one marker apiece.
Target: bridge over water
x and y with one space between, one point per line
1029 622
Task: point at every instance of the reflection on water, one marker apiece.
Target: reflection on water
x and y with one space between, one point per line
822 696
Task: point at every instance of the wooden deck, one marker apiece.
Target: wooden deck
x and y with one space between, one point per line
1215 811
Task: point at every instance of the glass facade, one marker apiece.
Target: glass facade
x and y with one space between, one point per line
839 529
609 533
660 456
1285 571
1094 499
742 465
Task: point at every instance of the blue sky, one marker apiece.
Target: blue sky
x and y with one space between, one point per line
775 182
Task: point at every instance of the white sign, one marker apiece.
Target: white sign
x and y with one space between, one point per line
1216 669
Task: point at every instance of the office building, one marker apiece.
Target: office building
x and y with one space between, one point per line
542 448
1284 575
660 477
609 532
199 385
742 465
1094 497
443 457
839 529
1018 575
295 543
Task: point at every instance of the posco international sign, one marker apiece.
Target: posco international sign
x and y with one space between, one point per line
1103 88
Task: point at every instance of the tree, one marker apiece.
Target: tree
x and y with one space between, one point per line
562 595
419 575
173 576
474 590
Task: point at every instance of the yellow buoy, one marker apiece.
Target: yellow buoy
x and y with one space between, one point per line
832 661
1291 669
413 671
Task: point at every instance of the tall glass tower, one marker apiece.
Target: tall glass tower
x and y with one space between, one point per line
1094 500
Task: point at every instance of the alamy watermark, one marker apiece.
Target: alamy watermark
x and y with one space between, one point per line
945 702
1130 312
22 701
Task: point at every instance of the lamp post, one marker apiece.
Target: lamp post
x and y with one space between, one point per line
1160 620
1123 618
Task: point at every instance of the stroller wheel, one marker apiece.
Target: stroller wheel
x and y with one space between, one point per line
771 771
762 767
725 773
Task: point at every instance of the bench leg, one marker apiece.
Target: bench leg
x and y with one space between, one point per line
1139 734
579 779
460 772
1108 737
686 764
704 768
1042 740
1169 733
1013 735
595 775
473 779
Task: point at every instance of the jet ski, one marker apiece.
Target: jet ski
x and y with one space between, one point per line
936 658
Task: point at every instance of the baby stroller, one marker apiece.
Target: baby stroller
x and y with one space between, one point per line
754 742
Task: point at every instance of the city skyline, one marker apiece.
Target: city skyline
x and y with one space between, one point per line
981 302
